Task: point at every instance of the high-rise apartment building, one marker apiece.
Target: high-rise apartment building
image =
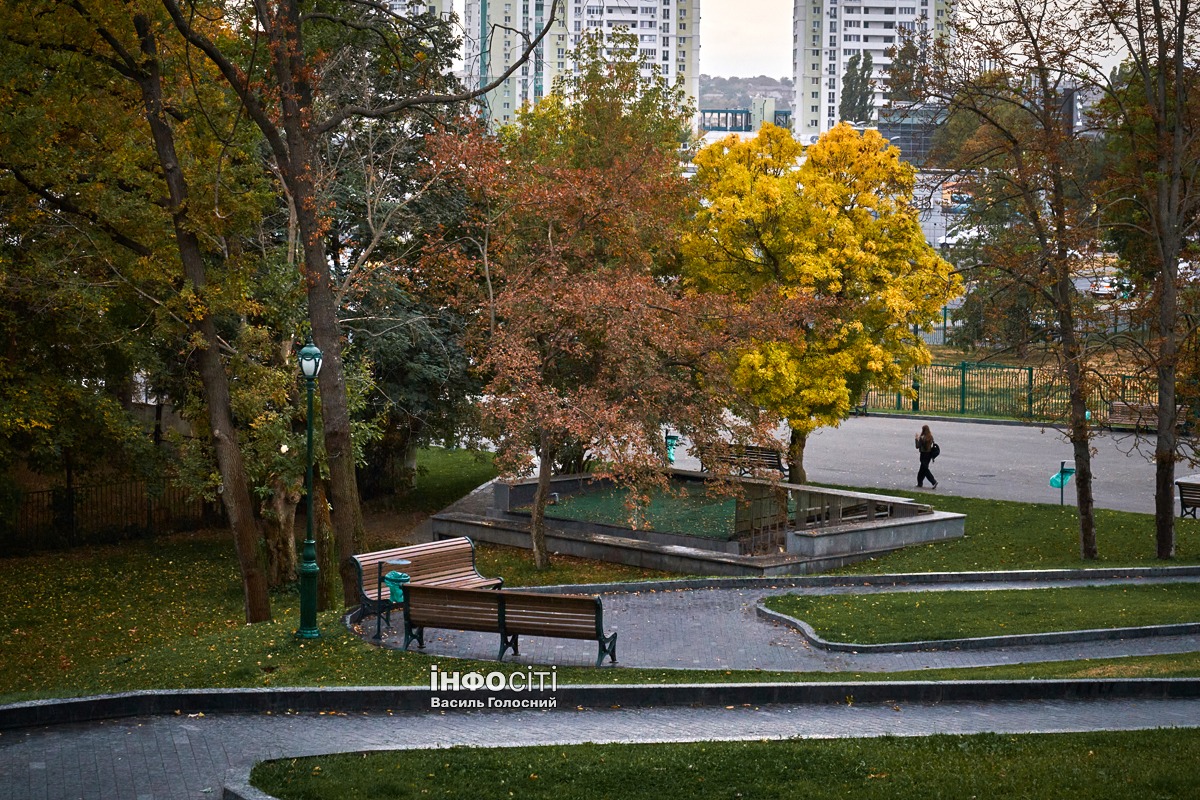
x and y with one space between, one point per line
827 33
496 33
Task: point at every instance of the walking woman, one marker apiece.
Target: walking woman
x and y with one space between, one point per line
925 448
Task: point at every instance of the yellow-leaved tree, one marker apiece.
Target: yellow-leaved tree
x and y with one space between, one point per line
835 222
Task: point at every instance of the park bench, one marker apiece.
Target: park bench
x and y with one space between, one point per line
750 458
1139 416
509 613
1189 498
448 562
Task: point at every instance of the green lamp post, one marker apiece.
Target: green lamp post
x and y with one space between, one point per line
310 366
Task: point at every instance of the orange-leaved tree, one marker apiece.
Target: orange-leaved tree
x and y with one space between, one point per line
585 339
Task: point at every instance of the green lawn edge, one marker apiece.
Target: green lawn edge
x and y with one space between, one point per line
167 613
1067 766
926 616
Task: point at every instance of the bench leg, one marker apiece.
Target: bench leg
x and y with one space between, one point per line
507 643
411 633
608 647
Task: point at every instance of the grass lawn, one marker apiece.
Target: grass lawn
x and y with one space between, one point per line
1005 535
1088 766
167 613
919 616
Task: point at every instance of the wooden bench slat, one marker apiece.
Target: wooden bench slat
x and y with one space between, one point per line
749 458
508 613
1189 499
1140 415
447 562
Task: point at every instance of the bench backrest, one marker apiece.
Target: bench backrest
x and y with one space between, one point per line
753 457
1189 493
457 609
568 616
447 561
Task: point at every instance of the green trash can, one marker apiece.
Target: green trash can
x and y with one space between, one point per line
395 583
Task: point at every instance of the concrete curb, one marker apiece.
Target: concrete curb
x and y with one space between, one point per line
897 579
391 699
237 786
980 642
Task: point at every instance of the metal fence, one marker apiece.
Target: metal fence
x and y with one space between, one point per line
75 515
1005 392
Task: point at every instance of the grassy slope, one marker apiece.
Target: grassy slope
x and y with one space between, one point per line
925 616
1090 766
168 613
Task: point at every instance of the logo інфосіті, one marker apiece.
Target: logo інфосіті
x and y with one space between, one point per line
501 684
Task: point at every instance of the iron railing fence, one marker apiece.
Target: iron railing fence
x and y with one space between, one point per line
74 515
1007 392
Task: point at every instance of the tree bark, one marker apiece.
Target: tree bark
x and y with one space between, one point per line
537 519
796 473
235 494
279 533
329 581
296 98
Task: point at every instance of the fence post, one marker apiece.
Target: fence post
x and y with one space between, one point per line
1029 394
916 403
962 387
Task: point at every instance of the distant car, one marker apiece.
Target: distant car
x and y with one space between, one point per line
1104 287
1110 288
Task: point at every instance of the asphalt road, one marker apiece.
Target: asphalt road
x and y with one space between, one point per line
1002 462
997 461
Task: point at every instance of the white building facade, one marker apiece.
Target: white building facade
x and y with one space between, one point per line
496 33
826 34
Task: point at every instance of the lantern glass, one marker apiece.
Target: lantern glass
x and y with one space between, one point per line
310 359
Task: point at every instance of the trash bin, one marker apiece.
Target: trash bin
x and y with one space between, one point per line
672 443
395 582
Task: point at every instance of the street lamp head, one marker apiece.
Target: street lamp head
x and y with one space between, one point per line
310 359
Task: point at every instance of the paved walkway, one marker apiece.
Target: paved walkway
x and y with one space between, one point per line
720 629
194 756
173 758
188 757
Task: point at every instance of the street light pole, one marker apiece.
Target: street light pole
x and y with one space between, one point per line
310 366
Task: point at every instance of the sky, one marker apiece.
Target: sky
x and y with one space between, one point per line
746 38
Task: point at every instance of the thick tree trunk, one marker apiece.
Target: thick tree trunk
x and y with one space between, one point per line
796 473
235 494
279 533
1166 442
1080 434
537 519
296 98
330 582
